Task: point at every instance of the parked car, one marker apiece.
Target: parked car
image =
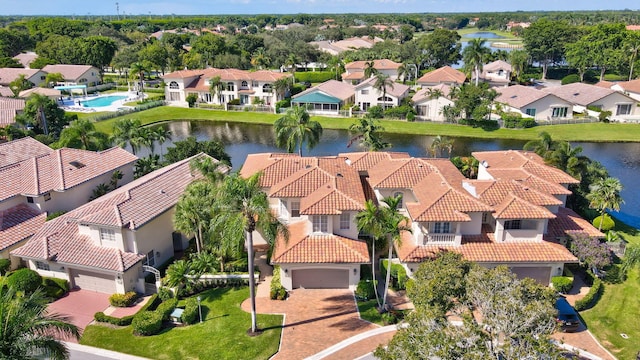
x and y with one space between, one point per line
567 315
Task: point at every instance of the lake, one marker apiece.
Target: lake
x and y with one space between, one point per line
484 35
621 159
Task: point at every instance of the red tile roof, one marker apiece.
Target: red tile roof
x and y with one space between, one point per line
228 75
378 64
567 222
528 161
445 74
18 223
513 207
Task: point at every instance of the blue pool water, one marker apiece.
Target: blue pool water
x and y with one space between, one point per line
102 101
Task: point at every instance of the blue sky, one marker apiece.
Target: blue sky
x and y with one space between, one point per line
165 7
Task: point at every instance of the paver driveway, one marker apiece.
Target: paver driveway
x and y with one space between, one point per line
80 305
315 319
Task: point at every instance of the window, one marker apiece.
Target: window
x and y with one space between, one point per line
174 96
441 228
151 259
623 109
174 85
400 203
42 266
530 112
485 218
107 235
345 221
364 92
283 208
47 196
365 106
231 86
295 208
559 112
30 200
255 84
513 224
320 223
244 84
266 88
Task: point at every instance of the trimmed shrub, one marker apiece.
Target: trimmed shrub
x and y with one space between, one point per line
25 280
191 99
607 223
277 291
592 297
167 307
562 283
123 300
313 76
55 288
570 79
147 323
376 112
165 293
153 302
283 104
614 275
365 290
234 102
190 313
399 112
411 117
5 265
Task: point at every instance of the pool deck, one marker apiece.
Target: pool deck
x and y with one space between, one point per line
74 104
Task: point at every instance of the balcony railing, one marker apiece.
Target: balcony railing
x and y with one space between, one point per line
439 239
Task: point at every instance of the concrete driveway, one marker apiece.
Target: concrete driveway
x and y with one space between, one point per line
314 320
80 305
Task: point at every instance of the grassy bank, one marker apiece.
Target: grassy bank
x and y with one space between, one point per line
470 30
595 132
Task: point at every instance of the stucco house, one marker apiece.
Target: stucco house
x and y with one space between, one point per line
337 47
444 75
496 73
75 74
9 108
429 102
38 180
630 88
8 75
103 245
247 86
533 103
366 95
582 96
354 71
326 98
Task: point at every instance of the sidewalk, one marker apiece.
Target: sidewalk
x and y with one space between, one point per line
79 352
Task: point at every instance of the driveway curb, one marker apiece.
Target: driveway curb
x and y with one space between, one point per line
354 339
101 352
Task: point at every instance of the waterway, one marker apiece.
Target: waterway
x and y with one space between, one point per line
621 159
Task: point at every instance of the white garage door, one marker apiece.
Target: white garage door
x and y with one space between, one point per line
320 278
87 280
539 274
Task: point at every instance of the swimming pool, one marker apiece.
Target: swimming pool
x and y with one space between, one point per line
102 101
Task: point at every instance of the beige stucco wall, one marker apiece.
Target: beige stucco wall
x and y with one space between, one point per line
610 103
473 227
544 108
352 231
432 108
373 95
156 235
11 202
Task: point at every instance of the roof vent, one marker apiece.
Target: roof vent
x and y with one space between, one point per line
307 166
161 192
77 164
484 164
339 175
348 161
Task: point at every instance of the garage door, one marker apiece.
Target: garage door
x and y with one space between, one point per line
88 280
539 274
320 279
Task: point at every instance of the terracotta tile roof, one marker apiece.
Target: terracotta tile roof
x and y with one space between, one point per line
7 75
318 248
425 92
530 180
397 90
40 91
604 84
378 64
495 192
363 161
519 96
357 75
18 223
631 86
512 207
15 151
399 173
130 206
579 93
497 65
26 58
334 88
274 167
567 222
12 104
69 72
445 74
227 75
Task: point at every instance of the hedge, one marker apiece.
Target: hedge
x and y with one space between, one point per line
147 323
153 302
25 280
562 283
167 307
123 300
314 76
607 223
277 291
592 296
190 314
5 265
570 79
54 287
365 290
398 275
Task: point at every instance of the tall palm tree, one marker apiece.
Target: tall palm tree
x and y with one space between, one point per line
194 213
296 128
138 69
215 87
260 59
370 221
474 56
435 94
633 47
28 330
568 159
82 134
281 86
369 69
382 83
518 60
161 135
146 165
241 205
41 102
291 63
604 195
367 131
541 146
127 132
439 144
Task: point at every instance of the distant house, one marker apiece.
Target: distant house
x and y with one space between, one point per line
630 88
247 86
103 245
354 71
584 96
48 92
444 75
6 92
532 103
366 95
26 58
76 74
429 102
326 98
41 180
9 108
512 24
496 73
337 47
34 76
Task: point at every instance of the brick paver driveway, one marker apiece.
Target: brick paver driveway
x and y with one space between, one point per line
80 305
315 319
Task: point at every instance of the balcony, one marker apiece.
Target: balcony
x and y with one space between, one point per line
447 239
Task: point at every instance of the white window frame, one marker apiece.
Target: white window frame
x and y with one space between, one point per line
320 223
41 265
108 235
345 221
515 224
231 86
150 258
441 226
295 208
629 107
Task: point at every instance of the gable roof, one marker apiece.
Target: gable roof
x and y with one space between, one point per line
528 161
40 91
225 75
497 65
9 108
445 74
69 72
130 206
332 88
363 161
519 96
5 91
579 93
396 90
26 58
378 64
8 75
18 223
630 86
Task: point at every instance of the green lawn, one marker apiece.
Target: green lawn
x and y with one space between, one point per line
85 115
221 336
368 311
594 132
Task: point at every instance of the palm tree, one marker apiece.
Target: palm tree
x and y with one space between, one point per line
296 128
518 60
382 83
181 274
604 195
633 47
439 144
82 134
435 94
126 132
568 159
101 189
260 59
138 69
115 177
193 211
404 72
215 87
41 102
369 69
146 165
240 204
291 63
281 86
474 55
542 146
28 330
161 135
367 131
370 222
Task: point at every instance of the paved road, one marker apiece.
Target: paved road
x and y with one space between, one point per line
81 355
81 352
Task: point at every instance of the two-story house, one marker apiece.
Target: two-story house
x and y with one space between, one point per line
247 86
367 95
444 75
496 73
38 180
107 244
318 199
355 71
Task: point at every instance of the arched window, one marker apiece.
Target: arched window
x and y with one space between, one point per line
231 86
400 203
174 85
244 84
266 88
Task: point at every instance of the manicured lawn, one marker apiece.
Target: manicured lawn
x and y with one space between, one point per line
221 336
471 30
368 311
595 132
84 115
